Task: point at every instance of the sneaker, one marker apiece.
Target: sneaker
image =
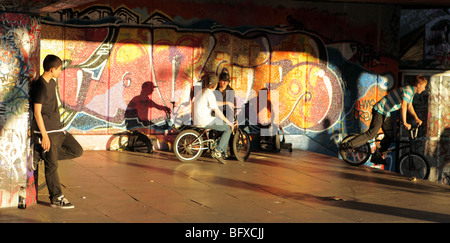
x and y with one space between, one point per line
218 155
62 202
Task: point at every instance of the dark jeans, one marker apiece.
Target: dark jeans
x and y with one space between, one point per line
378 121
62 146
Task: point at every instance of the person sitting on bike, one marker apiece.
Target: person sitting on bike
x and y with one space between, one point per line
400 98
204 103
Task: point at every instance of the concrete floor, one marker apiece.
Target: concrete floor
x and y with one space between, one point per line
297 187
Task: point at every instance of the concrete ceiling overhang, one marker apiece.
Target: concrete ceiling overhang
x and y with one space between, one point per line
404 3
47 6
39 6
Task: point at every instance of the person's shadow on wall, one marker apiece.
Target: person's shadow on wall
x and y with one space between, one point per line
139 110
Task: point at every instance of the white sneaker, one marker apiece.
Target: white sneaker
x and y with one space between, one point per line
62 202
218 155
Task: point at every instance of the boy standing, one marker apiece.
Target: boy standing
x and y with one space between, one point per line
56 143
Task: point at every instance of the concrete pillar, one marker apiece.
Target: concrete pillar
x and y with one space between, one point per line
19 65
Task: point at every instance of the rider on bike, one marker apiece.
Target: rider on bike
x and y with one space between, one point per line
400 98
204 103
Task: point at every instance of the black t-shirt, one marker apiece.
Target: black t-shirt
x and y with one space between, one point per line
228 95
45 93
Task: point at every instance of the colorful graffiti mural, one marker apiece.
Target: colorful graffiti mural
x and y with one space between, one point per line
127 64
19 48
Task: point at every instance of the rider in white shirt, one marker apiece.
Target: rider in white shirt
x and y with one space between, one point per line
204 103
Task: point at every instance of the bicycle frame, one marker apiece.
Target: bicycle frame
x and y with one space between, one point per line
410 163
410 142
372 144
204 132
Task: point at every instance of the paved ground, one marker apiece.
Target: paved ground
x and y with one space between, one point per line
112 186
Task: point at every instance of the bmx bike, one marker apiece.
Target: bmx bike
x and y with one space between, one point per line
410 164
190 143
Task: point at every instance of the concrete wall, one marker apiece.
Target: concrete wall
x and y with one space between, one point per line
341 55
19 64
438 130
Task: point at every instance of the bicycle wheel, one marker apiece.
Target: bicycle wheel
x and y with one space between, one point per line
241 145
136 142
122 141
355 156
142 144
414 165
188 146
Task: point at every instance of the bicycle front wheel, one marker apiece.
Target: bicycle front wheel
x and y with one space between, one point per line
414 165
241 145
188 146
355 156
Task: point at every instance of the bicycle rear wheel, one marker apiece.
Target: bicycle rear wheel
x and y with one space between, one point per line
188 146
355 156
414 165
241 145
136 142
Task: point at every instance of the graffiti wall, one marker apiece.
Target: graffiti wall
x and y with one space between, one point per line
425 35
19 47
133 65
438 130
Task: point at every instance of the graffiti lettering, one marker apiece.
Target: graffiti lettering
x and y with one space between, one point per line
363 109
18 65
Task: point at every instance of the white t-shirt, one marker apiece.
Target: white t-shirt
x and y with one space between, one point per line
204 103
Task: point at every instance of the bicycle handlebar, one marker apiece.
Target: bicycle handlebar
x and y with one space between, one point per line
413 131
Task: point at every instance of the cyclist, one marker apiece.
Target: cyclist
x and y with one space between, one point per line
400 98
204 103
